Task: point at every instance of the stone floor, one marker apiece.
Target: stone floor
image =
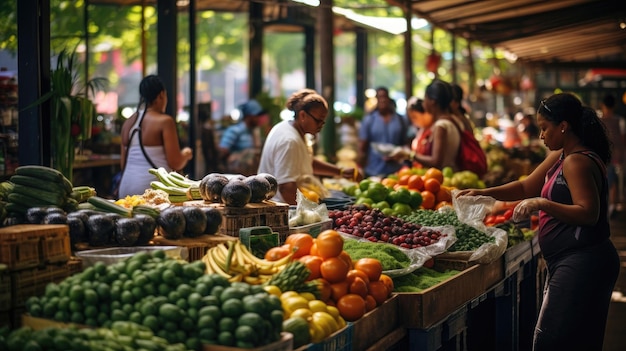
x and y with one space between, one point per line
615 339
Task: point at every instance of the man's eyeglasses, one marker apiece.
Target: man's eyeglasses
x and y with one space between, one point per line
317 120
543 103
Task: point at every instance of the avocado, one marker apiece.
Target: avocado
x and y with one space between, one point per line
211 187
236 193
259 186
273 185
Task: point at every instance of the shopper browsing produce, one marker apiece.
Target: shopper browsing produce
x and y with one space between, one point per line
285 152
149 140
569 190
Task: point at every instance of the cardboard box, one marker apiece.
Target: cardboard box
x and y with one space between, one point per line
424 309
376 324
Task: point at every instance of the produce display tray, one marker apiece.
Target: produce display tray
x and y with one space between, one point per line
196 247
29 245
267 213
314 228
284 344
426 308
32 282
341 340
113 255
376 324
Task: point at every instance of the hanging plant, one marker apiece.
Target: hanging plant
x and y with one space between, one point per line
71 110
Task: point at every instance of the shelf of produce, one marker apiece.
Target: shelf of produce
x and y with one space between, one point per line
428 307
515 257
267 213
369 329
314 229
340 340
284 344
196 247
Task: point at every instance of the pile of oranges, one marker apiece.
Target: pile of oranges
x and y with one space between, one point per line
353 287
428 182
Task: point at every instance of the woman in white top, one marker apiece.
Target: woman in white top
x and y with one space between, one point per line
285 153
149 139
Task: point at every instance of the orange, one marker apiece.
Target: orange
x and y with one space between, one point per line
351 307
326 290
370 303
358 286
416 182
370 266
355 273
329 243
387 280
379 291
404 171
338 290
442 204
434 173
334 269
432 185
428 200
301 243
404 179
345 257
443 194
278 252
313 263
389 182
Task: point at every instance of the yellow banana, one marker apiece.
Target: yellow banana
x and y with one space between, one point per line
236 278
283 261
216 267
249 256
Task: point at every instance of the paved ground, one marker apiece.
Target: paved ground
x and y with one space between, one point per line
615 339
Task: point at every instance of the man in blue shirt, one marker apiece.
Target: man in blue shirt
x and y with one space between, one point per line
239 145
383 125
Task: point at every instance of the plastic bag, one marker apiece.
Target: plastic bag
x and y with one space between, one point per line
472 210
307 211
310 183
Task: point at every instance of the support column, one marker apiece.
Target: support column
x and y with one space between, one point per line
167 38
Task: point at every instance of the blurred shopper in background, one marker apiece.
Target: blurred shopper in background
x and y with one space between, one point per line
457 108
569 189
422 121
616 129
286 154
385 126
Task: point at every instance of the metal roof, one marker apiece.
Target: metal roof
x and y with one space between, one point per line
536 31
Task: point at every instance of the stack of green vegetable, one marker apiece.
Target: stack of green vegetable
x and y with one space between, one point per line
173 298
390 256
421 279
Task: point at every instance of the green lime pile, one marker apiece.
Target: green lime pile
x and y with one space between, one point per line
173 298
121 336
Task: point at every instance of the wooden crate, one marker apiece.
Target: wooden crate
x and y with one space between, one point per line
426 308
33 282
376 324
5 290
28 245
55 247
267 213
196 247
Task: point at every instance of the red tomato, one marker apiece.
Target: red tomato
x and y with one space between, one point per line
489 220
508 214
499 219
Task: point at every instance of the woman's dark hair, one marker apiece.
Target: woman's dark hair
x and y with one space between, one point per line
457 95
583 119
416 104
441 93
305 100
150 88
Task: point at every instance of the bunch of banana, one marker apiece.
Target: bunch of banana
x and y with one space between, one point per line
178 187
235 262
35 186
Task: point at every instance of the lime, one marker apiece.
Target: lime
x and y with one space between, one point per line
402 208
254 304
203 289
77 317
118 315
182 303
135 317
192 271
251 319
416 199
91 311
194 300
151 322
245 333
232 308
226 338
364 184
184 290
193 343
381 205
207 334
164 289
76 306
127 297
227 324
168 276
90 296
214 311
388 211
206 321
187 324
52 289
76 293
210 300
62 316
170 327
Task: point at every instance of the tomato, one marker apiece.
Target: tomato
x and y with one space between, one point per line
338 290
388 282
334 270
432 185
345 257
379 291
370 303
499 219
351 307
371 266
508 214
313 263
325 289
278 252
329 243
489 220
301 243
354 273
434 173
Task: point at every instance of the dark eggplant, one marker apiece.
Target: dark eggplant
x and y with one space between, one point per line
55 218
35 215
127 231
195 221
213 219
78 231
171 223
101 229
147 225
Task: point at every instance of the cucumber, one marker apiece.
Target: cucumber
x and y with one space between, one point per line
38 183
105 205
38 196
45 173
